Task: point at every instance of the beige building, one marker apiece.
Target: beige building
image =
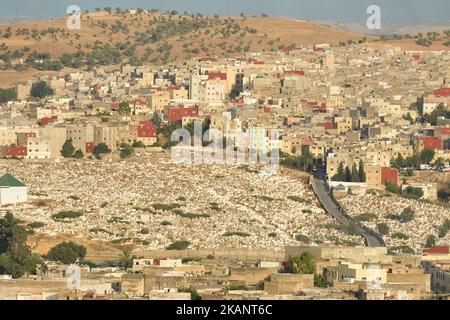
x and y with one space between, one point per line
37 148
370 273
288 283
160 100
56 136
440 275
23 91
82 135
107 135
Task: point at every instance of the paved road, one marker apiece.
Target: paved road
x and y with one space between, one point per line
321 190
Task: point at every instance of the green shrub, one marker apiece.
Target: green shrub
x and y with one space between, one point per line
236 233
399 235
67 253
302 238
383 229
36 225
165 207
179 245
66 215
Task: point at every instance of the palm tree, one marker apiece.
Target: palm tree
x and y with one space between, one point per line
126 259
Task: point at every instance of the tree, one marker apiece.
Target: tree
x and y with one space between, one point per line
41 90
355 174
431 241
99 149
7 95
362 172
124 108
138 144
341 173
439 162
427 155
415 193
67 149
398 162
444 195
407 215
347 175
16 258
321 282
127 151
179 245
439 112
67 253
78 154
126 259
156 120
408 117
304 264
412 161
391 187
383 229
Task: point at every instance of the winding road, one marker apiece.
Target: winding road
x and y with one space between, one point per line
320 187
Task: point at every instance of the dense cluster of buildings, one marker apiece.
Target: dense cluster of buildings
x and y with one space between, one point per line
349 273
339 107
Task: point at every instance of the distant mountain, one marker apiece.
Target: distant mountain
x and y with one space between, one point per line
162 37
156 38
390 27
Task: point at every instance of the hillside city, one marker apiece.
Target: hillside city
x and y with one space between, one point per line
355 204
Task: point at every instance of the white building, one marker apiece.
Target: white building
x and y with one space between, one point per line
12 191
38 148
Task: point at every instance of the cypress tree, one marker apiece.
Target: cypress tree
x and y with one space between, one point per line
341 173
362 173
355 174
67 149
348 175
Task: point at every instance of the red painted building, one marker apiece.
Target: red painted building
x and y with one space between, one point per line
442 92
432 143
177 114
207 59
389 174
329 125
49 120
217 75
286 49
89 147
295 72
16 151
146 129
321 108
437 250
